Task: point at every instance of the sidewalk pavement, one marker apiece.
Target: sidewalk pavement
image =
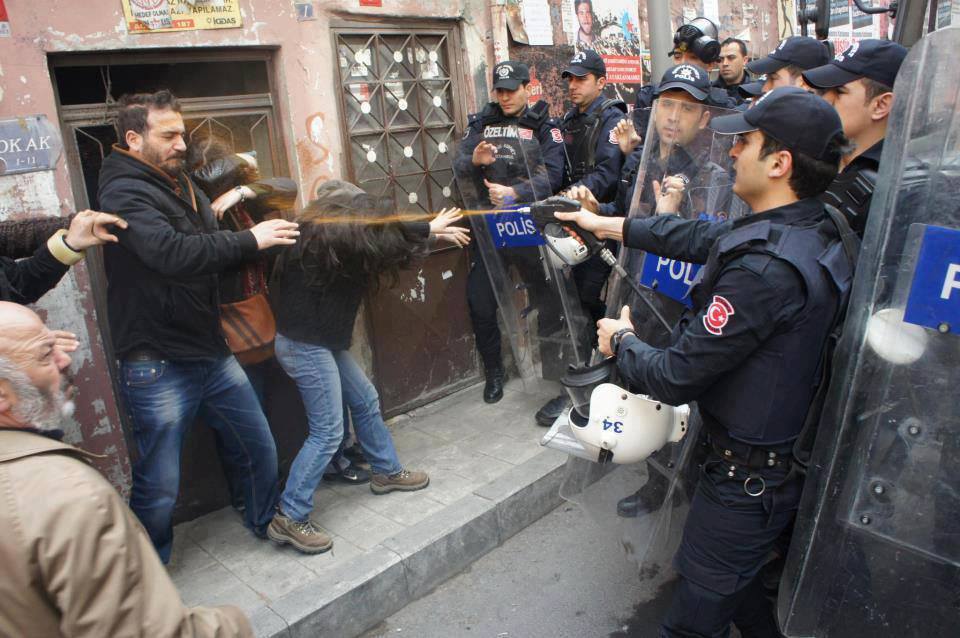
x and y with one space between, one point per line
489 478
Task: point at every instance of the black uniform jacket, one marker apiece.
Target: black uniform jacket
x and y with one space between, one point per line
749 350
732 89
162 287
522 175
601 178
709 188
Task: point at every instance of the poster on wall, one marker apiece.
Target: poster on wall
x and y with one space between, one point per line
151 16
4 21
859 26
839 13
612 29
536 19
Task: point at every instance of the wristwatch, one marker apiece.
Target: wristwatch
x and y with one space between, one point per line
243 196
617 337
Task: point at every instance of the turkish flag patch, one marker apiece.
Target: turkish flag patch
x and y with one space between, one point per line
556 135
526 134
613 136
717 315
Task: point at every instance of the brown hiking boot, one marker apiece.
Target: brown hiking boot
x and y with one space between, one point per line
402 481
305 537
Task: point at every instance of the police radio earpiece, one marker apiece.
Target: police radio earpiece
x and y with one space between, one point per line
700 37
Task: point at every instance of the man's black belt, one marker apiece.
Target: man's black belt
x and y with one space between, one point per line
142 354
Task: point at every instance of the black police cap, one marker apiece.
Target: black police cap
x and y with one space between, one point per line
510 75
878 60
750 90
686 77
797 50
798 119
584 62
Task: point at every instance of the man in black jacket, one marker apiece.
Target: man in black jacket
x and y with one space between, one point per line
164 317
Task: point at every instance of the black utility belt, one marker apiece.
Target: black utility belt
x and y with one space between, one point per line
751 457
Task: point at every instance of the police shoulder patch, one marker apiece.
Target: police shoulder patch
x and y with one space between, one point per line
612 138
717 315
556 135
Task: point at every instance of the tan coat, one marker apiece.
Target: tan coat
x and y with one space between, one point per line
75 561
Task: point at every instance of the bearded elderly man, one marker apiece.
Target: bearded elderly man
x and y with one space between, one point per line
74 560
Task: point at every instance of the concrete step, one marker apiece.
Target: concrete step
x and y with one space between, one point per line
489 480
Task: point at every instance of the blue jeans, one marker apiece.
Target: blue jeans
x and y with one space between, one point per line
327 379
164 398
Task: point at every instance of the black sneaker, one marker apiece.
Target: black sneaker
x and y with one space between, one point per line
551 410
493 390
351 475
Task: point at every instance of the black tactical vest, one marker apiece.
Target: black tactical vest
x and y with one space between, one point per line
765 400
580 134
850 193
513 164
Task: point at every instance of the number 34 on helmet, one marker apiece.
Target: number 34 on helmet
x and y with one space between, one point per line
626 428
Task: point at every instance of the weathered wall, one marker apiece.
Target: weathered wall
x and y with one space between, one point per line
305 72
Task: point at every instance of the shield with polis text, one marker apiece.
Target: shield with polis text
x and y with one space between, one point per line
499 174
876 545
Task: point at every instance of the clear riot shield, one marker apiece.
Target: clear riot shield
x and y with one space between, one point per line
876 546
681 151
539 307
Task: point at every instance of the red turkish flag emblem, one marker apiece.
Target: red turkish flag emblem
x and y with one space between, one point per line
717 315
526 134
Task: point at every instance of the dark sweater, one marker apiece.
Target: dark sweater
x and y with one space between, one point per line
321 315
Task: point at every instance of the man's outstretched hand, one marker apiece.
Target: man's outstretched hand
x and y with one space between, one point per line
92 228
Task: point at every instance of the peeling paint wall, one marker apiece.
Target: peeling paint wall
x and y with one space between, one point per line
305 72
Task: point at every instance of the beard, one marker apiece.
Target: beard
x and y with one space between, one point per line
44 410
172 166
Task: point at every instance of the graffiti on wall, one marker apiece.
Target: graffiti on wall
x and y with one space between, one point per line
316 161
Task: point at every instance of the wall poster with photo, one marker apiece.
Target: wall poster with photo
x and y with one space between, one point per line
612 29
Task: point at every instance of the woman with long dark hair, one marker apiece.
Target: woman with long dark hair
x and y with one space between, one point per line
348 247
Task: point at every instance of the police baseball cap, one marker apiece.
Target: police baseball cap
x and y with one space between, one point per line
510 75
798 50
687 77
777 113
878 60
586 61
751 89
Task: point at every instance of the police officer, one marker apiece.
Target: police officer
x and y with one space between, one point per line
696 43
733 67
594 160
677 125
786 63
508 115
748 352
859 85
